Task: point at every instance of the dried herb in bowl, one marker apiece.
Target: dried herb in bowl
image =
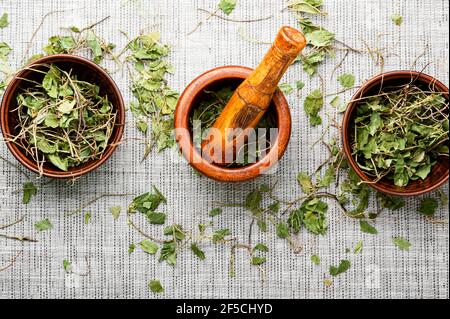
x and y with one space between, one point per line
400 133
62 120
208 110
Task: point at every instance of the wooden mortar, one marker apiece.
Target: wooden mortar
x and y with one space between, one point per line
251 99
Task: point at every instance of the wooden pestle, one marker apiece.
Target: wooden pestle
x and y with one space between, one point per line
252 98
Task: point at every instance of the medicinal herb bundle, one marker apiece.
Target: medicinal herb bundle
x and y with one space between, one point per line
62 120
155 99
399 135
209 109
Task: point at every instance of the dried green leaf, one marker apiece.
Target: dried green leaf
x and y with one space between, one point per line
4 20
282 230
367 228
315 259
428 206
347 80
148 246
155 286
219 235
29 190
306 183
261 247
227 6
197 251
43 225
215 212
258 260
67 265
401 243
286 88
344 265
313 104
397 19
115 212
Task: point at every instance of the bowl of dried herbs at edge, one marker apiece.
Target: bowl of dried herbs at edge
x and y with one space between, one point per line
202 102
395 133
62 116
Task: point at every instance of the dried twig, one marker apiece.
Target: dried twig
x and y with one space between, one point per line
12 262
92 201
12 224
19 238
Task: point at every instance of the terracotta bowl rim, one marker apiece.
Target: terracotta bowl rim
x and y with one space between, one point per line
191 153
90 166
346 124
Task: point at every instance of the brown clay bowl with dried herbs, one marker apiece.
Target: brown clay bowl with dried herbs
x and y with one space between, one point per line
214 79
440 171
85 70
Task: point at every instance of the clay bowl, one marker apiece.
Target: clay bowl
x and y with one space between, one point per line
85 70
216 78
440 172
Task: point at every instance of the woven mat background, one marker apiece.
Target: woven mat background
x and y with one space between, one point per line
381 271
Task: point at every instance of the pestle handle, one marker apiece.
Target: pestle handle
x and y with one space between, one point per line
252 98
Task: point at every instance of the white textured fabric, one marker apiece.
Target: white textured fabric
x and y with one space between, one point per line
381 271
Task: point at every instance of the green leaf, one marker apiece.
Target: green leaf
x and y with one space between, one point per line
305 183
197 251
397 19
401 243
358 247
4 50
367 228
306 6
286 88
29 190
328 177
147 202
115 212
156 218
342 268
253 200
87 218
428 206
51 120
347 80
262 225
313 216
295 220
131 248
43 225
176 231
155 286
275 207
67 265
227 6
315 259
66 107
4 20
320 38
219 235
390 202
282 230
258 260
215 212
60 163
168 253
311 61
375 123
261 247
299 85
312 106
148 246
